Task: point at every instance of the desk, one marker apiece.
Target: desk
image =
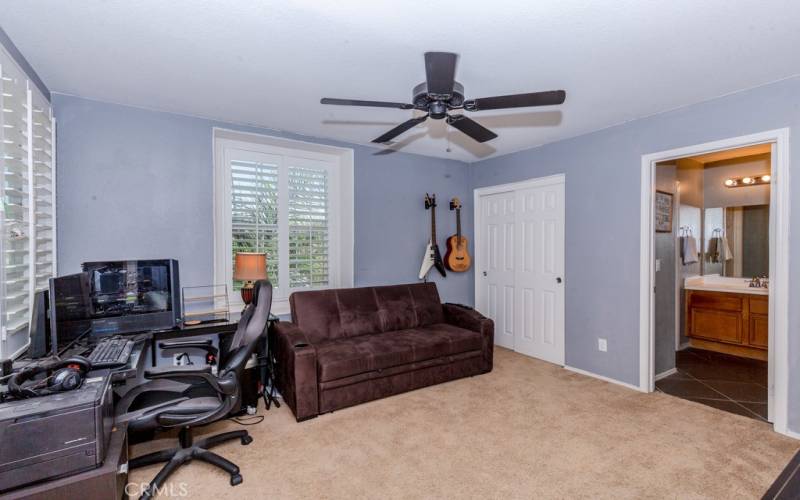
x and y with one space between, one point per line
108 481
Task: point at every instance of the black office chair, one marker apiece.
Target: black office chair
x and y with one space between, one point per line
190 396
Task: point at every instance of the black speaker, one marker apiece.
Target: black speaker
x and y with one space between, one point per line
40 326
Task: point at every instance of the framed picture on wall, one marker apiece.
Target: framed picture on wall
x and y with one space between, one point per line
663 212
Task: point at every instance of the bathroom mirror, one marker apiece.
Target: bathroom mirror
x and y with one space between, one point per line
735 241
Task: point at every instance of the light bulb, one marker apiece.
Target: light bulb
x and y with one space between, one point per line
730 182
766 178
747 180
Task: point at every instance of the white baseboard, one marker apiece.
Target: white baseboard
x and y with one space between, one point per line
665 374
605 379
683 346
787 432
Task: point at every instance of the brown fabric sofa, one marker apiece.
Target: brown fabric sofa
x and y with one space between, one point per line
347 346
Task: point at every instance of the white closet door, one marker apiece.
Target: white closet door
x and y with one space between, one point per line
540 272
496 267
520 267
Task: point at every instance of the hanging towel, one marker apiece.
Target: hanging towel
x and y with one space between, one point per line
713 250
689 250
726 249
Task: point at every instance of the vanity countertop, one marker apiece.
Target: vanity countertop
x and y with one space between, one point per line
723 284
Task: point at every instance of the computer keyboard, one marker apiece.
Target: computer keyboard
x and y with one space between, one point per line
111 352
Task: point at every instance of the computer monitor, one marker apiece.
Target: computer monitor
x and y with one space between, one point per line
70 310
133 295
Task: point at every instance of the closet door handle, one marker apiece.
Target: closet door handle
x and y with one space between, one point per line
558 280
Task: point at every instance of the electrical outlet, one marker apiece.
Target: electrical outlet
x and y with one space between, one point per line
602 345
177 359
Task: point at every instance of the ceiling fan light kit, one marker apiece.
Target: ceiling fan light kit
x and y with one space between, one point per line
440 93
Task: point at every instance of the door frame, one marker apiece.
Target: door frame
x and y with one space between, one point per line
478 220
780 194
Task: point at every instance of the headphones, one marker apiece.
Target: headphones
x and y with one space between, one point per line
61 376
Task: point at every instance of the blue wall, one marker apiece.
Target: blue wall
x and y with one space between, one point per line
603 176
135 183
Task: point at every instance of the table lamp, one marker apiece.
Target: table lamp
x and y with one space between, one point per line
249 267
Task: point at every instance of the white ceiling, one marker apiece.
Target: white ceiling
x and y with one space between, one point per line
269 62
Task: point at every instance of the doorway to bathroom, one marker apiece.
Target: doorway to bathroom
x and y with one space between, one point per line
714 267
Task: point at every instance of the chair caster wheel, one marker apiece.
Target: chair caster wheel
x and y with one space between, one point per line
247 440
236 479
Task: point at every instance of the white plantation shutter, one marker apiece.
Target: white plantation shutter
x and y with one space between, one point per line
16 201
43 189
274 200
27 217
308 226
254 213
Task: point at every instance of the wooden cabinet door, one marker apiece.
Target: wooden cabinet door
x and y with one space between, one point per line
759 330
722 326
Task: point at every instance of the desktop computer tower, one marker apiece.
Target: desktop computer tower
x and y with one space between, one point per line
40 326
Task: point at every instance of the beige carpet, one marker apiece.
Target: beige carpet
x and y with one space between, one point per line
527 430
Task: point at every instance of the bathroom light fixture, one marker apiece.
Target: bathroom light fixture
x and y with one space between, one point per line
749 180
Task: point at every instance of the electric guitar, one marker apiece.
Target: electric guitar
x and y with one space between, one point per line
457 257
432 258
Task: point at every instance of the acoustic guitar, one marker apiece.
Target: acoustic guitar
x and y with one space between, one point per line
432 257
457 258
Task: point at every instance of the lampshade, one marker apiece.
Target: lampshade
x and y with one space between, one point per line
250 266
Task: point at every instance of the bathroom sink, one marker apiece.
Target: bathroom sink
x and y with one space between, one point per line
717 283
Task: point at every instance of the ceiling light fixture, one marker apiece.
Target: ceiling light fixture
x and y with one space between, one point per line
750 180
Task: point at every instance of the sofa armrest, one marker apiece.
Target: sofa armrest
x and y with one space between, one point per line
470 319
296 375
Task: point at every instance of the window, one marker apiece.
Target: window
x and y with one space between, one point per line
289 199
27 215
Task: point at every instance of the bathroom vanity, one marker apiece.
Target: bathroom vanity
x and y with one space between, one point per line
727 315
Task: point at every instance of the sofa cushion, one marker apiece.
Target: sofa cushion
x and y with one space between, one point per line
358 311
316 313
395 308
459 339
427 303
346 357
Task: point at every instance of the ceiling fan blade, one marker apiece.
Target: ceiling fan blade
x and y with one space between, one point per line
440 72
388 136
373 104
548 98
471 128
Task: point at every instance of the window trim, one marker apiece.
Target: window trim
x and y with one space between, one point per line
341 242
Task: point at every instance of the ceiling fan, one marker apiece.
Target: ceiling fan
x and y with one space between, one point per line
440 93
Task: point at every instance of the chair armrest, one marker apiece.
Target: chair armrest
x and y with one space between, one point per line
296 371
203 372
470 319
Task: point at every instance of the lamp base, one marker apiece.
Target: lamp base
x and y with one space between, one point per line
247 291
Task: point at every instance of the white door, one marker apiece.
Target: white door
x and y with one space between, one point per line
496 292
540 272
521 267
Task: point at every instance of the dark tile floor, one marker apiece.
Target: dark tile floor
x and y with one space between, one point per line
729 383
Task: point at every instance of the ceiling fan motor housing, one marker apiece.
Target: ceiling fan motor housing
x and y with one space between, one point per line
437 105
